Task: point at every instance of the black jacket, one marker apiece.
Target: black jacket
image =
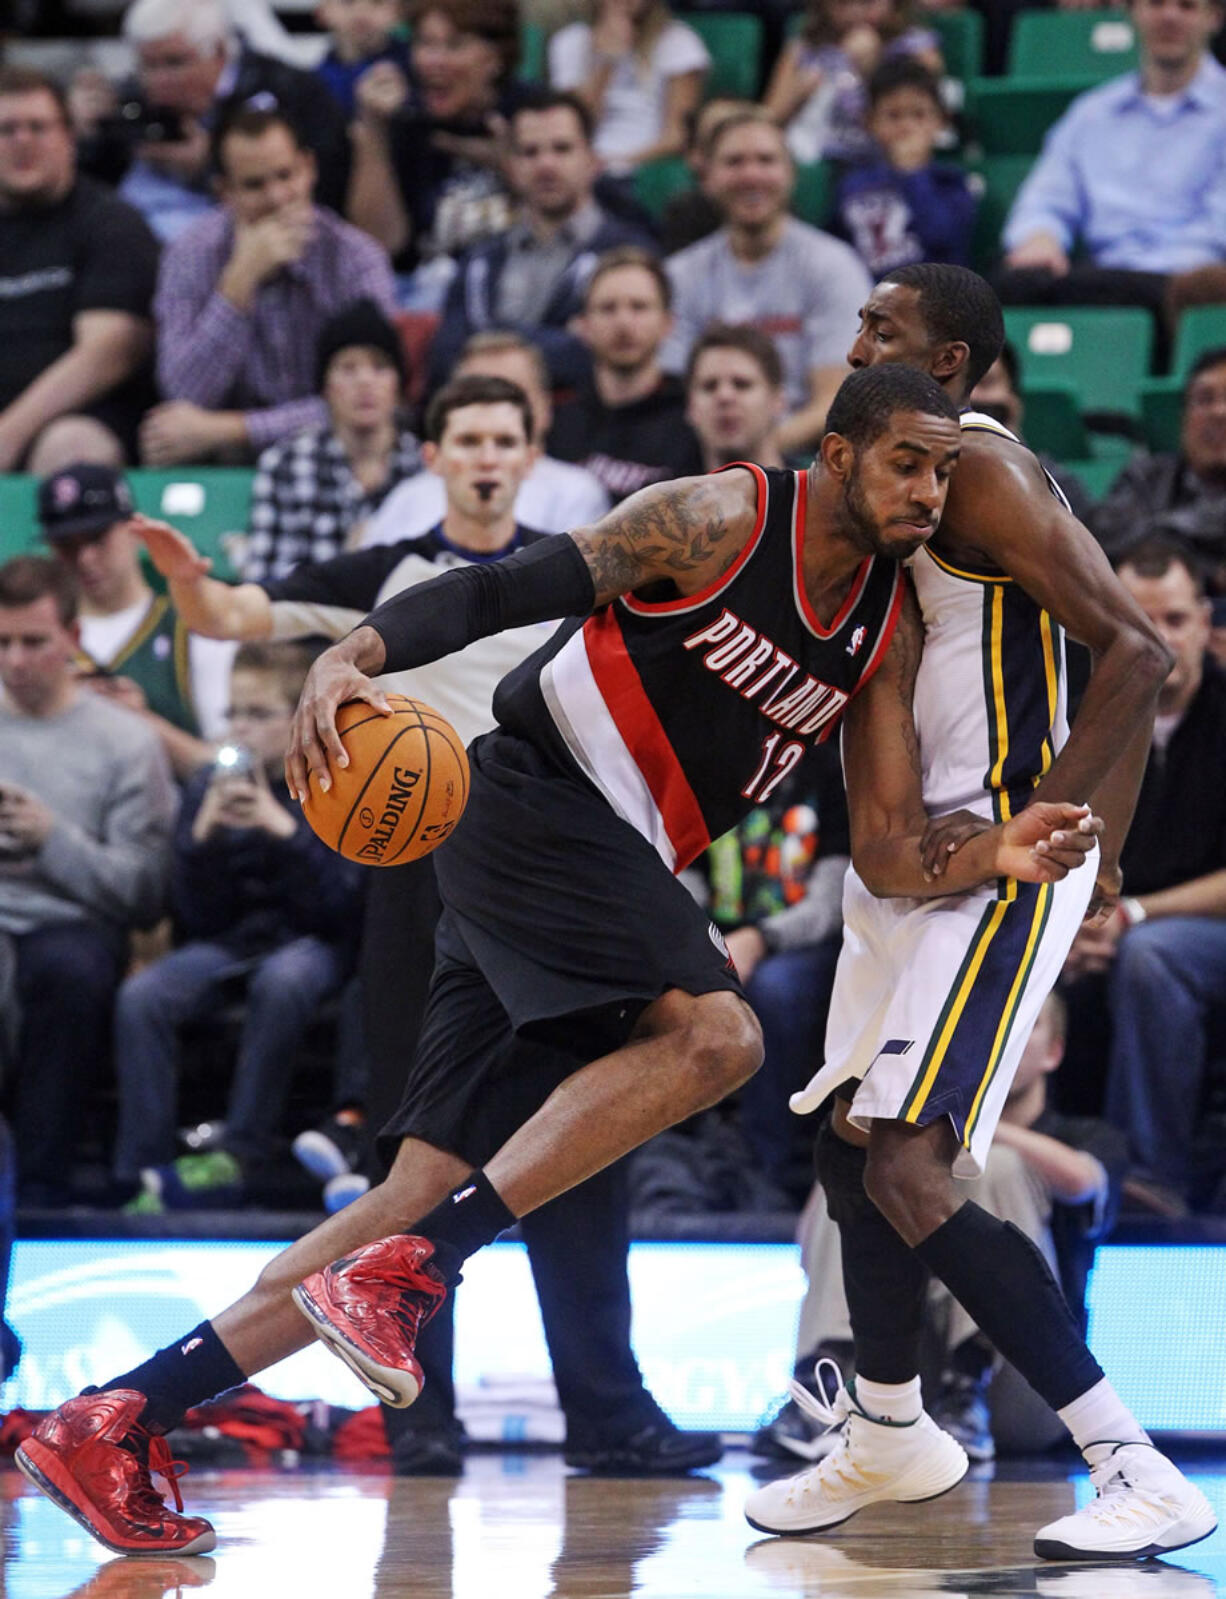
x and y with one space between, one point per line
628 446
252 892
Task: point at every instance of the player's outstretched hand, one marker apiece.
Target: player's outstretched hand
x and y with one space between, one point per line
172 552
1047 841
315 746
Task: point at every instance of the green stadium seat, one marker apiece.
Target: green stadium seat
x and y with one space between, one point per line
961 36
1201 328
1098 474
655 182
1001 177
734 39
1010 116
1102 354
207 503
18 528
1059 44
1053 423
533 39
1162 412
813 197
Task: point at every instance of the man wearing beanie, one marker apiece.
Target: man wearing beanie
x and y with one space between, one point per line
315 490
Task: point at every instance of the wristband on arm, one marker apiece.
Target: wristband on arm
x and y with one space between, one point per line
545 582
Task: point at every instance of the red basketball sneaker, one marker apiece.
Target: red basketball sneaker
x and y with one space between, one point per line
94 1459
369 1307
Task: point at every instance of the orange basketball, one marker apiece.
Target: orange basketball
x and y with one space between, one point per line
405 787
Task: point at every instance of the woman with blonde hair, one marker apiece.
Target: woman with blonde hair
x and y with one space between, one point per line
640 71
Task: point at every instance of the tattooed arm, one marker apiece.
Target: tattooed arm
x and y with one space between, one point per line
689 531
881 759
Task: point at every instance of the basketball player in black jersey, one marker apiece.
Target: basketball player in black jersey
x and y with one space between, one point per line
1008 550
581 1002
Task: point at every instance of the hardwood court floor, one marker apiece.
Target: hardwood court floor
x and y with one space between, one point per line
519 1527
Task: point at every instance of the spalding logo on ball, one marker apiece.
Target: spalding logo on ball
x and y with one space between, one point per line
405 787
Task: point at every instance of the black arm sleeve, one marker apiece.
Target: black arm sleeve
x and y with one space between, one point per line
543 583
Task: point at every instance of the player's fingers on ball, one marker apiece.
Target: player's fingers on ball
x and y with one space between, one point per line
377 699
295 775
330 739
317 764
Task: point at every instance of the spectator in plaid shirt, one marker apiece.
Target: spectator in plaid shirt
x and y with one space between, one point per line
315 490
242 297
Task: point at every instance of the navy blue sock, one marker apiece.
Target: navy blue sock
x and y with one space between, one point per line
183 1374
1003 1283
471 1216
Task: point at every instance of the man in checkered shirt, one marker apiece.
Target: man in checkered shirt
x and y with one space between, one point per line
315 491
243 295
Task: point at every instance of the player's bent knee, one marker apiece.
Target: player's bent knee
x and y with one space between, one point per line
723 1041
909 1185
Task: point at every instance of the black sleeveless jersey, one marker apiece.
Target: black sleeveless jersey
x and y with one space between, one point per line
686 713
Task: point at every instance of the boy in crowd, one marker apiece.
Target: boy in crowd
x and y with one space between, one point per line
901 206
260 902
363 32
134 648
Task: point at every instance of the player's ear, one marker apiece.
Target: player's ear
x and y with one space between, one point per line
838 456
950 359
429 454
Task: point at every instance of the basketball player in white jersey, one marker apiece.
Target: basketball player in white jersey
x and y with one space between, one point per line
934 999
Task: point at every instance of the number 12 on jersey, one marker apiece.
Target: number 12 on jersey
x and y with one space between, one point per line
774 766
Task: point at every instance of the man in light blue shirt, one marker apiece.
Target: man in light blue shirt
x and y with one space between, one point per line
1133 175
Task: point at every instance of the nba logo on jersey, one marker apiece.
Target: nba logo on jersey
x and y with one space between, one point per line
856 642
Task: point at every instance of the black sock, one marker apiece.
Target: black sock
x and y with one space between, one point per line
183 1374
471 1216
1003 1283
886 1285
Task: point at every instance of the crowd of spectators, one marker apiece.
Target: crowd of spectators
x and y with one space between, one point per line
232 258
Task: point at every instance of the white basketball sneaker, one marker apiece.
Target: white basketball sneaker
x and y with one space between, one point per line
871 1461
1144 1506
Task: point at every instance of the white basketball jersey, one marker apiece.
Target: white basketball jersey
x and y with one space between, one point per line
990 697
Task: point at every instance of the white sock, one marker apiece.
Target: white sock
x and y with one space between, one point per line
890 1401
1100 1416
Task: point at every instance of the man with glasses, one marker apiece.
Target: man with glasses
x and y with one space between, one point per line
77 273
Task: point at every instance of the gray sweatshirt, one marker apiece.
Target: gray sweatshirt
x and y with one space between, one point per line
104 774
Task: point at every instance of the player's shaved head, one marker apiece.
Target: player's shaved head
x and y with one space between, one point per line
957 307
867 401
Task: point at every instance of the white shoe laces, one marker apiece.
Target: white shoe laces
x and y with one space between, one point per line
1120 1502
839 1475
827 1413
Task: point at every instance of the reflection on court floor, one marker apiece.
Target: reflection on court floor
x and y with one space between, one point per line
521 1527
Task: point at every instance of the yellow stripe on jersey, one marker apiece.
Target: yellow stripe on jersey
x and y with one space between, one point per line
1053 685
971 577
996 629
953 1013
1042 905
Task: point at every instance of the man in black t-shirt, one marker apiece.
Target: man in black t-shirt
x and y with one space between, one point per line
1153 974
627 425
77 274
